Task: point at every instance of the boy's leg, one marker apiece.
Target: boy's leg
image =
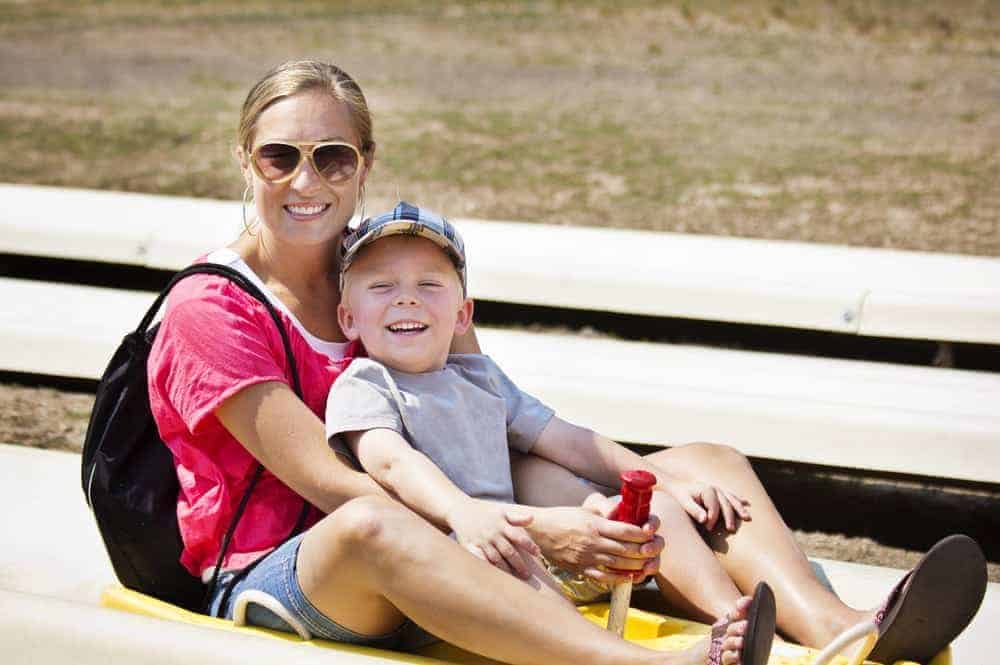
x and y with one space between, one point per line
690 578
371 562
763 548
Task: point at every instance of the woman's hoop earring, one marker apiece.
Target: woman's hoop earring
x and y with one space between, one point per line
246 197
364 200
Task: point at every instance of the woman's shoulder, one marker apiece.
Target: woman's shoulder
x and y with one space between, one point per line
208 310
209 291
205 293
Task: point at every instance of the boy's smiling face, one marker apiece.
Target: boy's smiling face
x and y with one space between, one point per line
403 299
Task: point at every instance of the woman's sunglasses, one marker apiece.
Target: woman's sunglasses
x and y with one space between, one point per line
279 161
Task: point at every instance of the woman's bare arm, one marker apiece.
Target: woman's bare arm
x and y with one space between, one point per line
584 540
279 430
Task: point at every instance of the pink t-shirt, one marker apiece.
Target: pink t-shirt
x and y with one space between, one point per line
215 340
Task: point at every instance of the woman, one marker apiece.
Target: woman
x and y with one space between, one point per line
219 391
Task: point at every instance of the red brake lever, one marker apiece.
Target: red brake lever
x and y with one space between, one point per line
637 489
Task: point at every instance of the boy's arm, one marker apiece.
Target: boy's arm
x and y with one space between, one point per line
597 458
409 474
588 454
482 527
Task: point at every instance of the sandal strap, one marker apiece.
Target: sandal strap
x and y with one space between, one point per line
890 601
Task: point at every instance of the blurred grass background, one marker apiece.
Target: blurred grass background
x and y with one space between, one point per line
867 123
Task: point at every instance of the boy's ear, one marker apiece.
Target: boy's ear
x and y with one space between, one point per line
464 319
346 320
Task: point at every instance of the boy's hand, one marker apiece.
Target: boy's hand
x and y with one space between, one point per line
706 503
584 540
494 532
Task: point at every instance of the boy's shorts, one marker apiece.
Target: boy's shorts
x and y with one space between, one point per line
578 588
275 575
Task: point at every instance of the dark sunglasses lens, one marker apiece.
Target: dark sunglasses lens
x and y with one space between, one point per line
336 162
277 160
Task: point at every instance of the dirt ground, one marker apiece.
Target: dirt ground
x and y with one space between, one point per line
869 123
47 418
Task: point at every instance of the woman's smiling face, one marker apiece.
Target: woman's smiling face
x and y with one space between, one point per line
306 210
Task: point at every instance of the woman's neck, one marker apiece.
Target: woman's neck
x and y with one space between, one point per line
303 278
295 268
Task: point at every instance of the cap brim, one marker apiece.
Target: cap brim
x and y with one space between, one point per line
403 227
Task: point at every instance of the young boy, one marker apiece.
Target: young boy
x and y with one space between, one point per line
434 428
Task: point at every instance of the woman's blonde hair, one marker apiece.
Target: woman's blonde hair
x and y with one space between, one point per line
298 76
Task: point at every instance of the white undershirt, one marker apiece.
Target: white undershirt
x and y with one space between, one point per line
228 257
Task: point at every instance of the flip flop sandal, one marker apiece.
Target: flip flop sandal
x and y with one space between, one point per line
925 611
761 618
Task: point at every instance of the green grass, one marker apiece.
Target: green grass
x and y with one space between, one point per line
121 143
828 121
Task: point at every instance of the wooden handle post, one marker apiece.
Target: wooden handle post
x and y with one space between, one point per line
637 490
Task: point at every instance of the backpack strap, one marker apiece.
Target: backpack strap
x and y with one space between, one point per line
248 286
241 281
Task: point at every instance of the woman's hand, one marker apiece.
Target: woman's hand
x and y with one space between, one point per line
584 540
494 532
706 503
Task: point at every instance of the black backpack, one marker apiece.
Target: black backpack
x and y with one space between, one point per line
128 472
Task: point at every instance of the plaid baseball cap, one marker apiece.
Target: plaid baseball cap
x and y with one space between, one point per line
407 220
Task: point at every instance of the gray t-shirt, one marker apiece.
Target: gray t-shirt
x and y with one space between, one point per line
462 417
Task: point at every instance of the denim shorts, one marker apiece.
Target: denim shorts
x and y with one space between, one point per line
275 575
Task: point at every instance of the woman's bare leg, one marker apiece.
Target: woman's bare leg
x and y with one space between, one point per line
690 579
763 548
371 562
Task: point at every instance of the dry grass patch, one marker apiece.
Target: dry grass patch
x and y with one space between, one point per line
845 122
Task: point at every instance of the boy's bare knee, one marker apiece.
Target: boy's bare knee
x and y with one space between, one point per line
369 536
717 454
361 522
728 455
